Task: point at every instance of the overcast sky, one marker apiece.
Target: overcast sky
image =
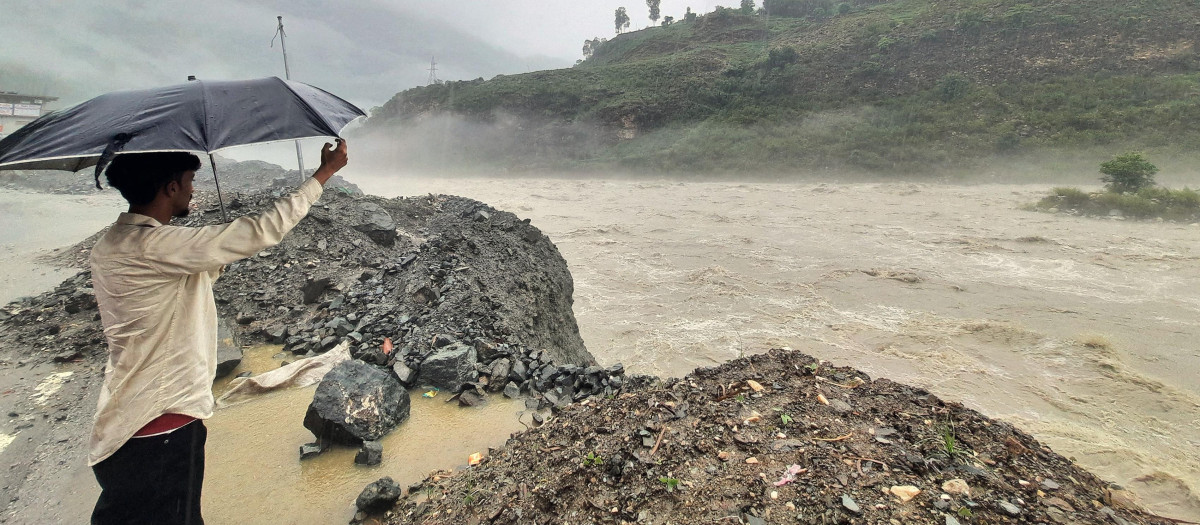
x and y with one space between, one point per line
366 50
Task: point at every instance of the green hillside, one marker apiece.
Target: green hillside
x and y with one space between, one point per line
885 86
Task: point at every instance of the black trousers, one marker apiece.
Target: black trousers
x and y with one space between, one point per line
153 480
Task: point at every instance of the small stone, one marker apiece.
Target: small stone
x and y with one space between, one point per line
1009 508
379 495
310 450
951 520
1050 484
905 492
371 453
512 391
470 398
839 405
850 505
774 494
957 487
723 455
752 460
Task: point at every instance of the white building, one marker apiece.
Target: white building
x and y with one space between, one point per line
17 110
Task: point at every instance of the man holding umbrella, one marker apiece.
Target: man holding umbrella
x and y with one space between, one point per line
153 284
153 281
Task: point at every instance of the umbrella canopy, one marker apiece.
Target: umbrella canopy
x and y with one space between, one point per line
199 116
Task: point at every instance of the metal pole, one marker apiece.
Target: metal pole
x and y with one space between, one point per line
287 73
213 164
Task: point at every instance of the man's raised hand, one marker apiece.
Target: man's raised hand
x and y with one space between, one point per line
332 160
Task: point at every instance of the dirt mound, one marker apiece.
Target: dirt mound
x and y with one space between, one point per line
774 438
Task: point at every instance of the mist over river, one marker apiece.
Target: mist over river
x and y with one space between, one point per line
1080 331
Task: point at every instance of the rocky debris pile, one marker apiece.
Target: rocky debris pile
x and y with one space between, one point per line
434 291
236 177
774 438
470 297
61 325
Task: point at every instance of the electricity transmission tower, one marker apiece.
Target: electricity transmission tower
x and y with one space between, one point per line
433 79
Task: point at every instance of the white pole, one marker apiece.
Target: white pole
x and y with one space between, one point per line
287 73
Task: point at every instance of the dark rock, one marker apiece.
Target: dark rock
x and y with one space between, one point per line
277 334
405 374
379 495
443 340
245 318
375 222
449 368
371 453
470 398
518 372
499 373
356 402
229 351
313 289
426 294
310 450
511 390
487 350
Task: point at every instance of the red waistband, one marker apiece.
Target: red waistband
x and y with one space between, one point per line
164 423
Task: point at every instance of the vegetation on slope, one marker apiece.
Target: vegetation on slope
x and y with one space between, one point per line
903 85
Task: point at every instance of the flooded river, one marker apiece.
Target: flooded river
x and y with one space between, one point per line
1080 331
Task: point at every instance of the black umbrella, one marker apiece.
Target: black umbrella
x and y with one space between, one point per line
199 116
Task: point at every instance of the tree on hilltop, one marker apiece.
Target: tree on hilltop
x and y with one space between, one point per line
622 19
689 16
590 47
654 10
747 7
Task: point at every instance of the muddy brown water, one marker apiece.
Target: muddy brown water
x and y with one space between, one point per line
1080 331
252 470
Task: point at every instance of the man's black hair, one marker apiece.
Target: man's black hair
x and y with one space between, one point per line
140 176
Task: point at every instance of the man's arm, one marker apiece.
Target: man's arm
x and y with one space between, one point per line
178 250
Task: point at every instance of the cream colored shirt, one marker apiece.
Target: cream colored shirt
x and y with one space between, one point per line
153 285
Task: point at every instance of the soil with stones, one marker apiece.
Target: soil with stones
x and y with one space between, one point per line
774 438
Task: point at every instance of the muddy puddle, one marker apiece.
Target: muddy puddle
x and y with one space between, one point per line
254 475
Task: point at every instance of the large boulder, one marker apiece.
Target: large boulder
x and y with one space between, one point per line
229 351
374 221
356 402
449 368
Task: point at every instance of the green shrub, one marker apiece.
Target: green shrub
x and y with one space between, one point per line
1128 173
953 86
1070 198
